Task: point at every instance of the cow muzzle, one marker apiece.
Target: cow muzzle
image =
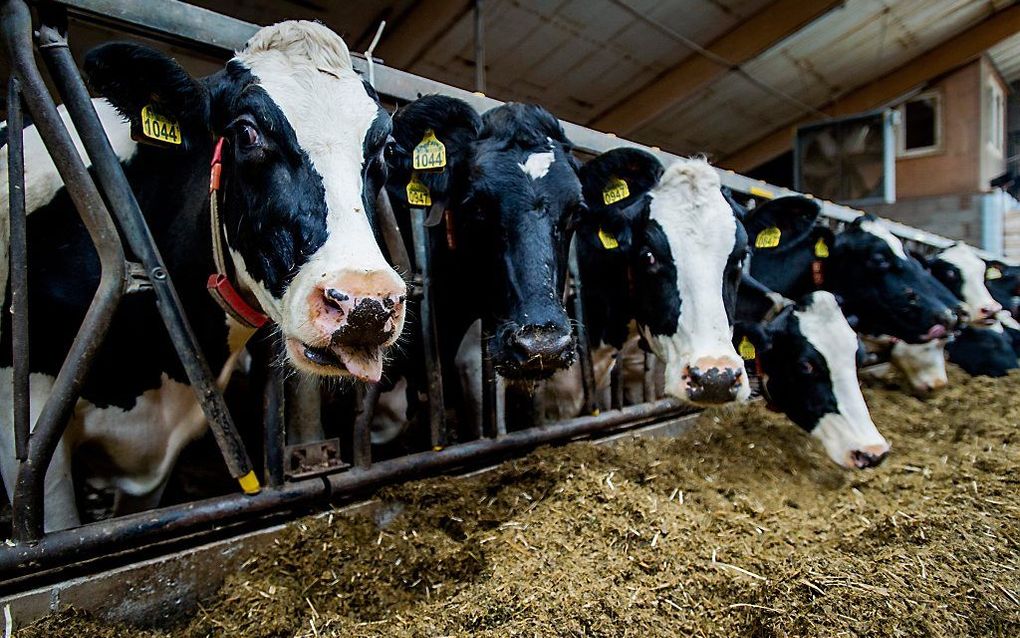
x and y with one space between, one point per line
710 381
535 351
353 317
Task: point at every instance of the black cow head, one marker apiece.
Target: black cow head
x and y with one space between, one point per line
662 247
1003 281
985 351
303 139
866 266
808 358
512 189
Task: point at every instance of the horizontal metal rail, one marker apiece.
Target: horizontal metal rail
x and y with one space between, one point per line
175 21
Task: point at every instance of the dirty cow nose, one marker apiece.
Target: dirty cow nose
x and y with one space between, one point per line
544 344
989 311
363 312
869 456
714 384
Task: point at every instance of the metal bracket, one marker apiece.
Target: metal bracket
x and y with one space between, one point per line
137 278
305 460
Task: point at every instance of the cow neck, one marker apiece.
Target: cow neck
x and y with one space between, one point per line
219 285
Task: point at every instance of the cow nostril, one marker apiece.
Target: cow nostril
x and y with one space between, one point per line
695 374
335 299
863 459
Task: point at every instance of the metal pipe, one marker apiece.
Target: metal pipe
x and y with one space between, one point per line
106 165
479 46
490 409
583 346
366 398
18 268
430 341
648 380
274 427
390 228
28 491
616 383
135 531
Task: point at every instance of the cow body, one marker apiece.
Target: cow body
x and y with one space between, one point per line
294 215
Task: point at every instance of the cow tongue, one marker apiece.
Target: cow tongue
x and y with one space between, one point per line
364 363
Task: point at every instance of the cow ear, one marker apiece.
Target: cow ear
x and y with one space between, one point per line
751 339
442 129
136 78
782 222
619 177
739 209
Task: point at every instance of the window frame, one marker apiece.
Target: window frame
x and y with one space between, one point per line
901 129
995 132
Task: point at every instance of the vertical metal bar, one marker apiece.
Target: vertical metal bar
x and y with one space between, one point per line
430 345
583 346
274 427
367 398
616 383
479 46
122 200
490 426
648 381
16 24
18 268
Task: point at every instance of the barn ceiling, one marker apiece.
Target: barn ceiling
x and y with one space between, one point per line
628 66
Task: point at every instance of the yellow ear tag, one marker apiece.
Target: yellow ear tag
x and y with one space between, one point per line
746 349
160 127
821 249
430 154
993 273
615 191
608 241
768 238
418 193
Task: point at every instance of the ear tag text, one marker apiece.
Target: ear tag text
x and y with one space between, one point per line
768 238
608 241
821 249
746 349
160 127
993 273
418 193
430 154
616 190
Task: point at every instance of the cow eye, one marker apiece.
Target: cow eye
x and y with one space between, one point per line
648 258
390 150
807 368
879 262
248 136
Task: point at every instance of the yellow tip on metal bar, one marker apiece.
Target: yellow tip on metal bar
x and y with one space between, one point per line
250 483
761 192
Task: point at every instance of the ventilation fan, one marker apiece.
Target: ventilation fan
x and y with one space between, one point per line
850 160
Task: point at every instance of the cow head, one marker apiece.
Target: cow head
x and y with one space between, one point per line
923 364
302 164
877 282
511 188
665 249
808 358
1003 281
960 270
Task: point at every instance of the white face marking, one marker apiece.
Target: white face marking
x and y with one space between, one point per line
850 429
701 231
878 229
972 275
923 364
537 165
306 69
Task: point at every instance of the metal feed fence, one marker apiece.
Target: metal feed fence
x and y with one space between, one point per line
36 556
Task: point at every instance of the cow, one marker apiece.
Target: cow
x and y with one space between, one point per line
806 356
1003 282
300 140
922 365
661 247
865 266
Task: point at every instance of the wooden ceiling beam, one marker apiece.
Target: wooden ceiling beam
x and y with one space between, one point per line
420 27
950 54
743 43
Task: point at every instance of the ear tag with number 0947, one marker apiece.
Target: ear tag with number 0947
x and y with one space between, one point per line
418 193
768 238
616 190
430 154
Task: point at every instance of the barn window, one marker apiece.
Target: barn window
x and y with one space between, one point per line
996 120
920 130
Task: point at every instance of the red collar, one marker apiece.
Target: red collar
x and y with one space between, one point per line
218 284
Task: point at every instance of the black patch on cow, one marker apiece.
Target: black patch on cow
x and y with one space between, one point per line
982 352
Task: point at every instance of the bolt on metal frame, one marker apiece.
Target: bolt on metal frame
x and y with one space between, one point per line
37 556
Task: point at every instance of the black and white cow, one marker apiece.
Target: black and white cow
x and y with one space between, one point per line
865 266
302 162
1003 282
807 358
661 247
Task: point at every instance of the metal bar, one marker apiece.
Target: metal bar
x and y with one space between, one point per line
583 346
490 409
367 398
18 268
390 229
106 165
136 530
28 491
274 427
204 27
479 46
648 380
430 342
616 384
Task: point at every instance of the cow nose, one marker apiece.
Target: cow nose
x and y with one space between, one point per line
708 383
938 331
542 345
989 311
869 456
358 309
